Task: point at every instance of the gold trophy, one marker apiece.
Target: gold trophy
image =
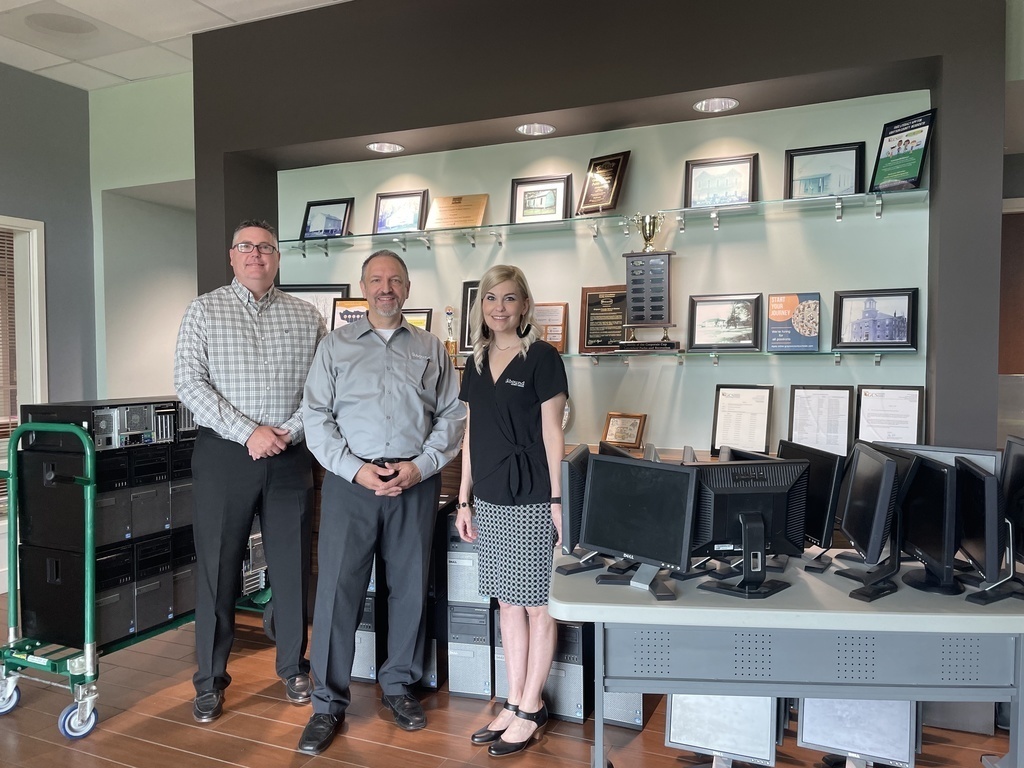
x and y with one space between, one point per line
451 346
647 284
649 225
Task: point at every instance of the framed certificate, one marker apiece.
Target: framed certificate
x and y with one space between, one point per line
742 415
890 414
552 323
822 417
602 316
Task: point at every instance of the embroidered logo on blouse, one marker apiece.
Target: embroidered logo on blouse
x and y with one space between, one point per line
512 383
418 356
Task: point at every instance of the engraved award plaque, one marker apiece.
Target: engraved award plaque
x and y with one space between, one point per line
647 289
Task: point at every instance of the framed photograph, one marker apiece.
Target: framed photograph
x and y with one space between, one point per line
399 212
347 311
625 429
822 417
878 319
419 317
552 323
725 322
541 198
899 163
470 288
602 318
720 181
326 218
837 169
742 415
793 320
890 414
603 183
321 296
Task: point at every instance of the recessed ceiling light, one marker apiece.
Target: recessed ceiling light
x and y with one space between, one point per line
61 23
386 147
716 104
535 129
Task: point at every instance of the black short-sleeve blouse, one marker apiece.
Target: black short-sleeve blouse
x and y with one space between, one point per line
506 442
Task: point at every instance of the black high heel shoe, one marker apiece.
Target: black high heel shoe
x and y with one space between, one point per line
486 735
501 748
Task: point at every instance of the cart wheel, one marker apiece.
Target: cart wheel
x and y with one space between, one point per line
11 701
70 726
268 620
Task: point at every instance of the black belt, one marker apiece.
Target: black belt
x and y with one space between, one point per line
383 460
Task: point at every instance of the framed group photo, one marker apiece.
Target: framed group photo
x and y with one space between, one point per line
725 322
326 218
400 212
541 198
720 181
875 319
837 169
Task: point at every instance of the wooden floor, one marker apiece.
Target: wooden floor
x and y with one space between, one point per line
145 721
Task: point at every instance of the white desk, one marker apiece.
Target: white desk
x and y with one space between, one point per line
809 640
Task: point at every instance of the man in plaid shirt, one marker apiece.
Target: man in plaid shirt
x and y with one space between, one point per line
241 361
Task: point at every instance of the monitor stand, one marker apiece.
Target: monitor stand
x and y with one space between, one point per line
878 581
753 585
588 561
817 561
1007 586
646 577
719 762
925 580
623 565
694 571
841 761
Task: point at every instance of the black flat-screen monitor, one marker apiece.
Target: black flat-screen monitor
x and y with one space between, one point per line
728 453
604 448
642 511
983 526
825 473
867 500
990 460
574 485
1011 483
930 532
754 509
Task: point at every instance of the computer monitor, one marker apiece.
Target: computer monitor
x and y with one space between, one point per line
983 531
744 728
1011 483
651 453
728 453
753 508
825 473
604 448
869 732
574 484
642 511
930 533
990 460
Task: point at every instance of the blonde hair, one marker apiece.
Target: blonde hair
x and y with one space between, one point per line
495 276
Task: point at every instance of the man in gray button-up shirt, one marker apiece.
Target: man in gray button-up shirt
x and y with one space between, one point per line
382 414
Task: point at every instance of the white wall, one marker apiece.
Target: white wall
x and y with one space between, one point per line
788 253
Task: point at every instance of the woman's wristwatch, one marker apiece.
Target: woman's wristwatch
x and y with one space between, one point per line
464 504
556 499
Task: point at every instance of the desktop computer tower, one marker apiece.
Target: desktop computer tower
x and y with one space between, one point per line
154 582
183 570
470 664
630 710
369 636
463 569
435 652
112 424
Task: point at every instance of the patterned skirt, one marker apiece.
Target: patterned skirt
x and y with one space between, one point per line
515 546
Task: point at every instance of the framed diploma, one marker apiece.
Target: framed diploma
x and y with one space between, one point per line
742 415
602 315
552 323
890 414
822 417
603 183
624 429
457 211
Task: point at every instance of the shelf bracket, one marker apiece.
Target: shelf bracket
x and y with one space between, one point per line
625 228
714 359
595 360
878 205
497 238
680 359
400 241
472 238
838 358
424 240
681 218
839 209
714 219
594 230
878 359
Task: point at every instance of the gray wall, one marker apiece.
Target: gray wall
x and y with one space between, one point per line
1013 176
44 175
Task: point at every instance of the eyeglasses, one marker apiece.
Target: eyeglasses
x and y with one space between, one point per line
265 248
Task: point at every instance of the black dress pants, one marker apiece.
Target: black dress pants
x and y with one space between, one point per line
229 489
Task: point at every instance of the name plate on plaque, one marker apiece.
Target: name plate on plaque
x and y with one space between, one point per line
457 211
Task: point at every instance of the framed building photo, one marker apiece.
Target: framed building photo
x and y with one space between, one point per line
541 198
821 416
625 429
899 163
725 322
347 311
890 414
399 211
603 183
742 415
321 296
419 317
837 169
326 218
720 181
875 319
470 288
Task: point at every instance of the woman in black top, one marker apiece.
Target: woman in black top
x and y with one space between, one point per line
515 390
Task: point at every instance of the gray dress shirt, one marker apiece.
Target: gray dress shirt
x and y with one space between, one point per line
241 363
366 398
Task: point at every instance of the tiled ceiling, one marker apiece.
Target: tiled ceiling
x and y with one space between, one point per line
98 43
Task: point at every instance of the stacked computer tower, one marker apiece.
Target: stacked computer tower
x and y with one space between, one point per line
470 643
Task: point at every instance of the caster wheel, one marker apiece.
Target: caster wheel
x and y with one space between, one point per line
71 727
268 620
8 704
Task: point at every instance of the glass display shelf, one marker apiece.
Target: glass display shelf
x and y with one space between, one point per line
876 201
715 357
592 225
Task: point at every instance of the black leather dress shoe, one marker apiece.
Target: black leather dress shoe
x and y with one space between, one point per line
319 733
486 735
408 711
207 706
298 688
